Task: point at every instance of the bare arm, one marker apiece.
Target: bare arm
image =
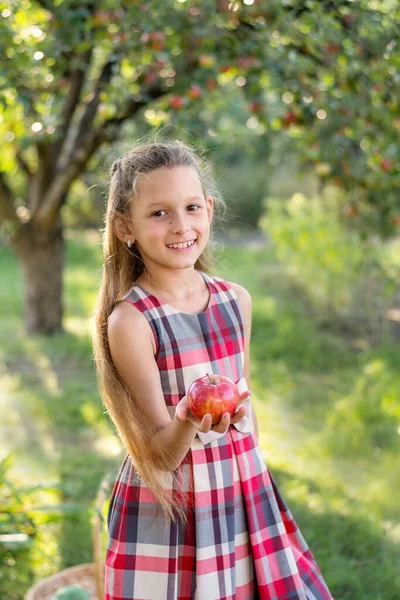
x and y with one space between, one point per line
245 302
132 350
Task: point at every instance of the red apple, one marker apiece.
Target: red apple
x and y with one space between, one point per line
348 19
332 47
206 60
289 118
223 5
158 40
213 394
247 62
350 211
150 77
256 106
386 164
194 92
211 84
176 102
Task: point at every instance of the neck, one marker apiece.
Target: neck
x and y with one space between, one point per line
177 283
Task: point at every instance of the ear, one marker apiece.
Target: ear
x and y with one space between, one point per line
123 229
210 208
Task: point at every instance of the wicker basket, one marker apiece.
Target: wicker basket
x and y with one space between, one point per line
89 576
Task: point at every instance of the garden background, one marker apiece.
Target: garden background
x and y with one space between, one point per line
295 104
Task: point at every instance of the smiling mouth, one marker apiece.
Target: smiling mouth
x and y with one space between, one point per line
182 246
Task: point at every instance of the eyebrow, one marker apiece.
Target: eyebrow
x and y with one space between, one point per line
158 202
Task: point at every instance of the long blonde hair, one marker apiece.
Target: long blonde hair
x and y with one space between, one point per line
122 267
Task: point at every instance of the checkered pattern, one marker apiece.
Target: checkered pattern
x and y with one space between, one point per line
240 541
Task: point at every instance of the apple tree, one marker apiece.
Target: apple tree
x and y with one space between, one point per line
75 76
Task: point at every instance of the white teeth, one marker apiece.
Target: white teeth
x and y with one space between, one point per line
185 245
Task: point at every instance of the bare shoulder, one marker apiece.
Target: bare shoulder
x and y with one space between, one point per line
130 340
243 295
126 318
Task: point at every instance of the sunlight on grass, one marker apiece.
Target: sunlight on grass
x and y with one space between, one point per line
375 367
104 443
26 433
108 446
45 558
44 366
77 326
392 529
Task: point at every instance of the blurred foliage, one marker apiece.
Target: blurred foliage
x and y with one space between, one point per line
321 75
30 516
348 279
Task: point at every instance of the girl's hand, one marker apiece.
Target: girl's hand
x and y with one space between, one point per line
204 425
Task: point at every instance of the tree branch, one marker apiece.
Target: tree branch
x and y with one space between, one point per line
91 108
132 106
78 133
23 164
7 208
46 4
47 213
41 179
72 100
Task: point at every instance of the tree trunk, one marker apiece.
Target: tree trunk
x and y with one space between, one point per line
42 258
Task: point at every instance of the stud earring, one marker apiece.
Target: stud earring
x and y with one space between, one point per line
129 243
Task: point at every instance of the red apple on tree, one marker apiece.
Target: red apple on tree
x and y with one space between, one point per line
145 37
350 211
386 164
194 92
256 106
158 40
206 60
332 47
289 118
150 77
176 102
215 395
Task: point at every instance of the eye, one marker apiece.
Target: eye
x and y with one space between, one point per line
195 206
156 214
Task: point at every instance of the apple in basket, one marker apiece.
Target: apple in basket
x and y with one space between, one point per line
213 394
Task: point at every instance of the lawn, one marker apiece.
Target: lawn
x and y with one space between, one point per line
327 406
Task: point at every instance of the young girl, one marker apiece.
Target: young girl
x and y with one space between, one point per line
195 512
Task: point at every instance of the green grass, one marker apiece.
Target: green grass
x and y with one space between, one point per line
327 406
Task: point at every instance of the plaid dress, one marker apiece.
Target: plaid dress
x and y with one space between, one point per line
239 541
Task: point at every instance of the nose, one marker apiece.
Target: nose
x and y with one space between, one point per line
179 223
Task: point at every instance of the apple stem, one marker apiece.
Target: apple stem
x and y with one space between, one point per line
210 378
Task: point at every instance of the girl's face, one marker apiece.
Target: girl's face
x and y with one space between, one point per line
170 209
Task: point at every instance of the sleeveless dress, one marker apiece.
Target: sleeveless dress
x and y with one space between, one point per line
239 541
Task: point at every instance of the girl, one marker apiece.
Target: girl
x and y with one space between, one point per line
195 512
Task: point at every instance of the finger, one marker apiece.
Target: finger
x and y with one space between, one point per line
245 394
194 420
223 425
205 424
181 413
182 409
183 402
238 415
